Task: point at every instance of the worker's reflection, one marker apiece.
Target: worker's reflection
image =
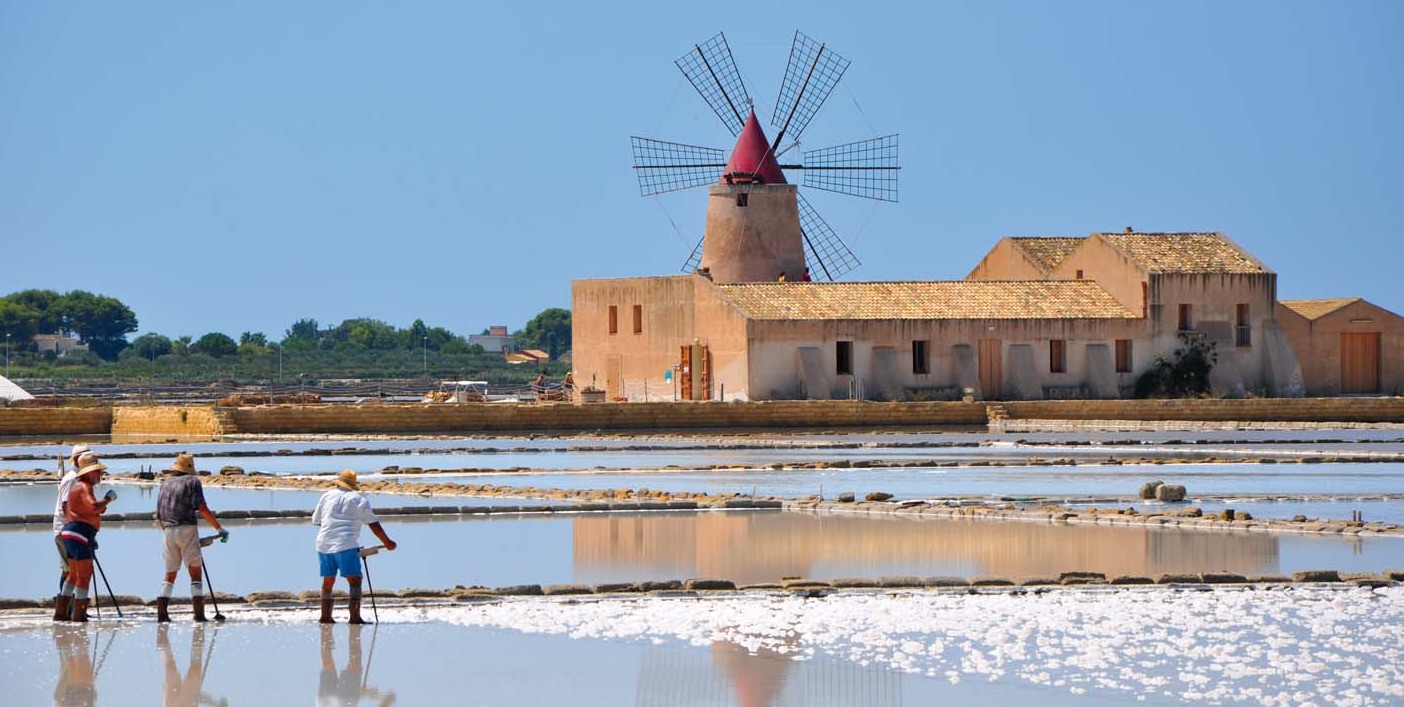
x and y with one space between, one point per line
347 687
756 677
184 691
75 681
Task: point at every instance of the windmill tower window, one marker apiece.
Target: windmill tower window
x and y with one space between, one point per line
743 199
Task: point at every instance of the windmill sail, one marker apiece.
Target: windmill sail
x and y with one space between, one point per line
712 71
694 260
672 166
867 168
822 246
810 77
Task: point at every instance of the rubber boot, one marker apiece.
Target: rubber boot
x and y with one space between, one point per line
163 607
198 604
326 611
355 606
62 606
80 611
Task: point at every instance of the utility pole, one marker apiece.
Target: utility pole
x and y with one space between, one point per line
426 357
7 354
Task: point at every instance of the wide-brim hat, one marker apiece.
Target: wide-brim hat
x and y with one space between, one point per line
184 464
92 466
78 451
347 480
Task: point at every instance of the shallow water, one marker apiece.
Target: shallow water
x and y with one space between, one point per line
1062 648
746 547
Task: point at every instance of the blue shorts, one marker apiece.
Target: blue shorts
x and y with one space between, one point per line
348 562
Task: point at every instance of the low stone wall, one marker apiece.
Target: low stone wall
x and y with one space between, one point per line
165 420
55 421
485 417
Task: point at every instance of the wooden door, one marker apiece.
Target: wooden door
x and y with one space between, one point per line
685 372
991 370
614 377
1360 362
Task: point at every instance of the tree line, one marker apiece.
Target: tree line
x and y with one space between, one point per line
362 347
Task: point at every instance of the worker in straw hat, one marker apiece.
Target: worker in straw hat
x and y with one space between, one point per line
84 512
339 515
76 458
182 496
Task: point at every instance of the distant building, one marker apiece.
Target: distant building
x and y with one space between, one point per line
1341 344
59 344
497 340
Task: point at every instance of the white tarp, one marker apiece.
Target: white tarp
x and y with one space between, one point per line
10 391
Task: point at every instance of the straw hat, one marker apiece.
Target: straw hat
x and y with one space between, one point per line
78 451
347 480
184 464
92 466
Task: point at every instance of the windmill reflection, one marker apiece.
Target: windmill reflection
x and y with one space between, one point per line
75 685
347 687
186 690
680 675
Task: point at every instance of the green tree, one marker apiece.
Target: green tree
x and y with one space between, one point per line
303 330
180 346
48 317
548 331
19 320
149 346
100 321
215 345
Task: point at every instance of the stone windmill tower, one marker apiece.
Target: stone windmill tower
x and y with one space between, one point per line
758 224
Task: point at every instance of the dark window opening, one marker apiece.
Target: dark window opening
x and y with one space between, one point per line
1057 356
843 353
1079 274
1242 331
743 199
1186 322
1123 355
638 319
920 364
613 319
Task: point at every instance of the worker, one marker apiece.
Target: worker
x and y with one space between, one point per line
339 515
83 512
182 496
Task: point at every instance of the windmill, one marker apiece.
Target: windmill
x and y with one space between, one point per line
769 229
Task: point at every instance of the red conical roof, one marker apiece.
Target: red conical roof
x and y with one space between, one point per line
752 155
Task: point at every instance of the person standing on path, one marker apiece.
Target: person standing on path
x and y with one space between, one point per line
84 513
76 459
339 515
181 497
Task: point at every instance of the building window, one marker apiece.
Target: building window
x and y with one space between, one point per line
843 353
613 319
743 199
638 319
920 364
1123 355
1186 317
1058 356
1079 274
1242 330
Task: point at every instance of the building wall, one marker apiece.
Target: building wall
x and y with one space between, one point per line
777 369
635 363
1318 345
1118 274
1006 261
754 242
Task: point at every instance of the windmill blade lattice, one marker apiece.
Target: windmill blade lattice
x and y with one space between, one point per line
672 166
810 76
822 246
867 168
712 71
694 261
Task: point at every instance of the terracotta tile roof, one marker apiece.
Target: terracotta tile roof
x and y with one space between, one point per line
1185 253
1047 251
1317 308
958 299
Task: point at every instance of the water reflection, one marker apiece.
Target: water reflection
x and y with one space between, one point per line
75 685
676 675
347 687
186 690
764 547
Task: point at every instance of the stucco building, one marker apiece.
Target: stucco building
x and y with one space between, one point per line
1347 346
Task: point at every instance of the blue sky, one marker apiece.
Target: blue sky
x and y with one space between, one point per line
225 166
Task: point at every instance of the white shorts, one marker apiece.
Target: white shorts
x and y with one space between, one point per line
182 547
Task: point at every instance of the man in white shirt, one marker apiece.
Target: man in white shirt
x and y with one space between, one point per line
76 460
339 515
